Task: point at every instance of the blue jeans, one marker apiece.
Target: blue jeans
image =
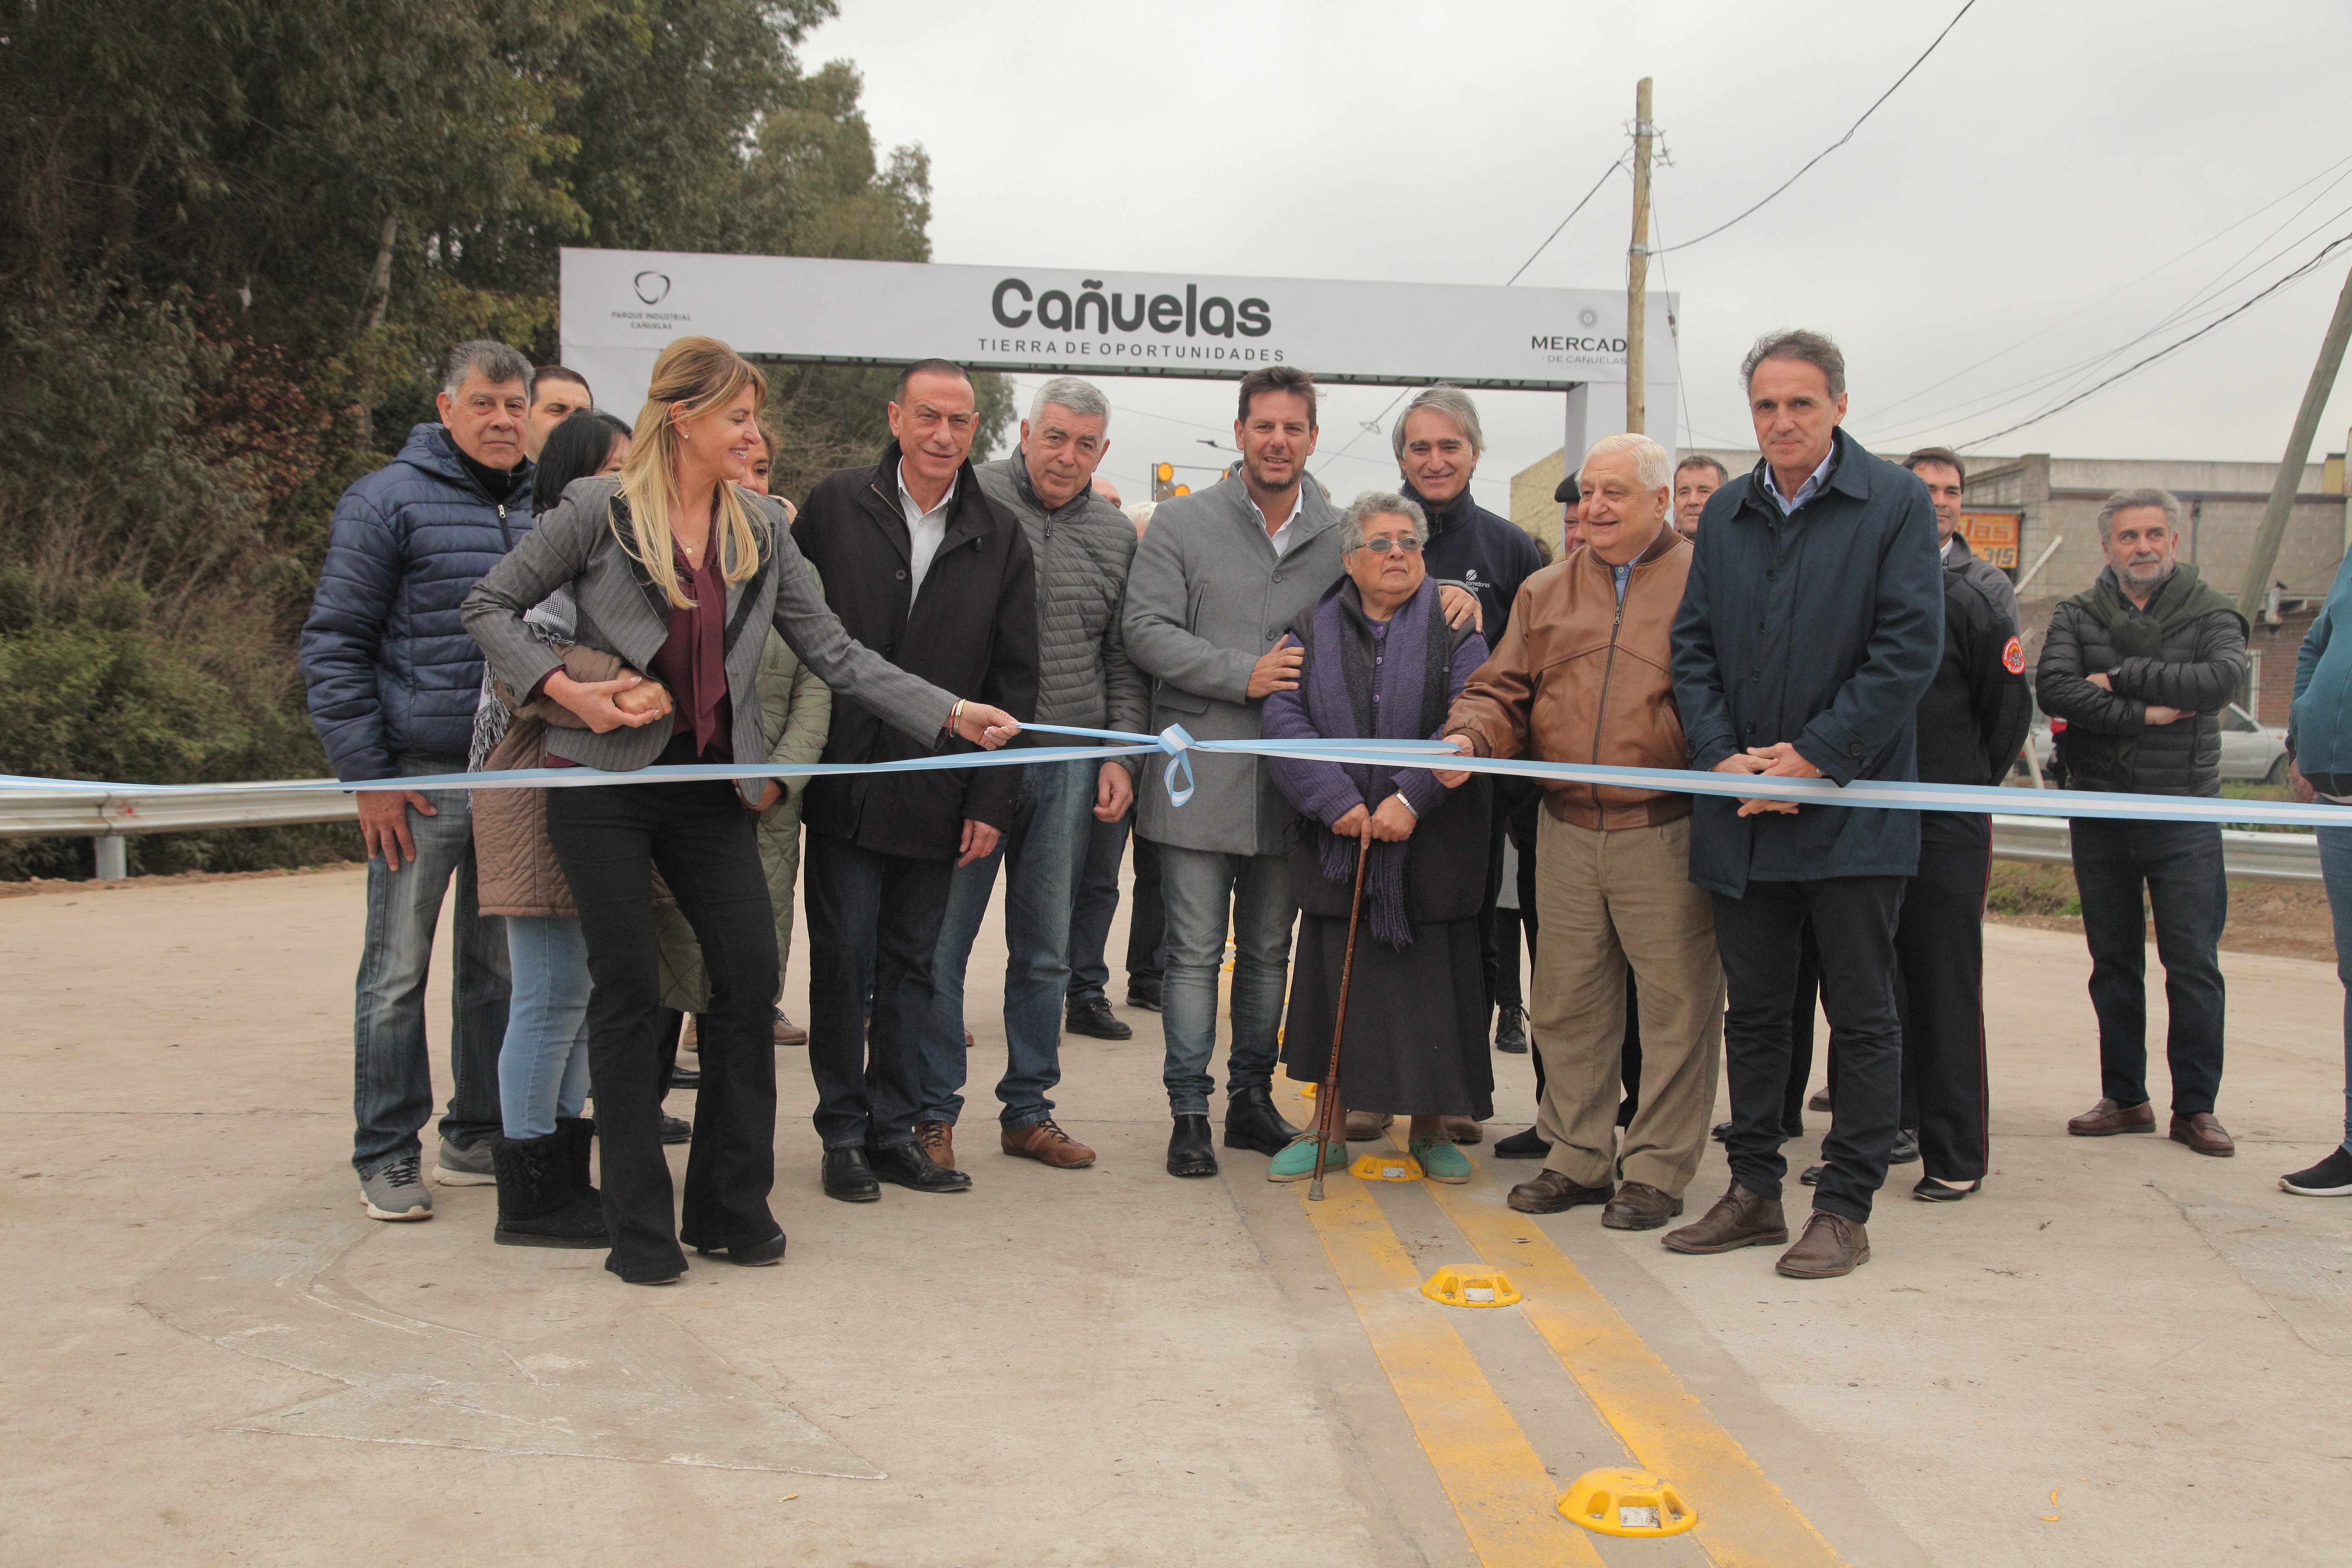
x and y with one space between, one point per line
1206 891
2180 863
873 930
2335 869
543 1065
392 1098
1097 902
1045 849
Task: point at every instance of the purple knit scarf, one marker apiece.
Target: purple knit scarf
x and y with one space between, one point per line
1340 680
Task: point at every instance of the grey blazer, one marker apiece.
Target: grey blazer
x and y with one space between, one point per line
1206 600
622 612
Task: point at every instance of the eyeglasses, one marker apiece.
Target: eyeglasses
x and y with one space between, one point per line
1383 546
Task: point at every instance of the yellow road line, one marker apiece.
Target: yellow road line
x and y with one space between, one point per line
1744 1520
1499 1489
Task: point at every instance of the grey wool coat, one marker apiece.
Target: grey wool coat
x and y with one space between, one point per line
622 612
1206 599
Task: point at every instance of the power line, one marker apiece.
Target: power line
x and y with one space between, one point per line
1579 207
1842 141
2325 250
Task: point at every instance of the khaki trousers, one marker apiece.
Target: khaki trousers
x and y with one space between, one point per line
1605 899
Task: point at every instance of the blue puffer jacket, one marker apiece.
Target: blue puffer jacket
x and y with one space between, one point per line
391 668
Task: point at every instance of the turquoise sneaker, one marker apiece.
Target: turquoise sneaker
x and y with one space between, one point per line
1440 1160
1297 1163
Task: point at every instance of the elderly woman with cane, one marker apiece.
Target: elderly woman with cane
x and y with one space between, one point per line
1381 663
679 570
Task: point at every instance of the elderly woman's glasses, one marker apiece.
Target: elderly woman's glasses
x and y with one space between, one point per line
1383 546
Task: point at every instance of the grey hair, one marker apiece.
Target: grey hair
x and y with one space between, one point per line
1653 464
1379 503
1450 401
492 359
2125 500
1814 349
1082 399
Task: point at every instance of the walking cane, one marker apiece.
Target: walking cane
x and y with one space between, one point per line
1327 1100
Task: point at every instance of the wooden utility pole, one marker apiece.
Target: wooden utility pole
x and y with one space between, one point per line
1637 267
2255 590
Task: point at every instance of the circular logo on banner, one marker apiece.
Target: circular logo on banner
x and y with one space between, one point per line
1588 316
2012 657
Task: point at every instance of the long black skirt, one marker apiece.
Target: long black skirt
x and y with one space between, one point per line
1416 1041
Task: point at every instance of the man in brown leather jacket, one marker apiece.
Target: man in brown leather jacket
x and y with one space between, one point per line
1582 676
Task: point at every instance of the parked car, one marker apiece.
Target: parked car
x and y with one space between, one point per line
2252 752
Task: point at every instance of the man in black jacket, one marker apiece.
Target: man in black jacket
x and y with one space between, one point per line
2139 668
925 569
1971 723
1810 627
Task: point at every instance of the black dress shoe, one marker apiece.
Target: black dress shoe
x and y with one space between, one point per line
1511 1031
676 1130
1721 1132
1095 1019
1812 1176
1932 1191
1525 1146
1906 1149
751 1254
849 1176
1190 1152
1143 994
686 1077
1252 1123
907 1165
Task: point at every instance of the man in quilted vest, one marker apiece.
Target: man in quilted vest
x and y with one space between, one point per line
393 679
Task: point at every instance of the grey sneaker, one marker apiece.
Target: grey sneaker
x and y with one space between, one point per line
464 1167
397 1192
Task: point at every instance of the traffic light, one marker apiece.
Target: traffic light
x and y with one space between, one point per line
1163 482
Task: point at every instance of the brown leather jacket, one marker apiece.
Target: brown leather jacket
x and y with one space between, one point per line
1579 678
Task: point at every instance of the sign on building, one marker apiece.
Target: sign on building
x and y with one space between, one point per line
1993 535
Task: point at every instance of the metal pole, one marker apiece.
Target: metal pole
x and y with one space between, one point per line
2257 584
113 856
1637 267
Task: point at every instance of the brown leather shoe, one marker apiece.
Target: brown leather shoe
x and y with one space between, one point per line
1550 1192
789 1033
937 1141
2106 1119
1464 1129
2202 1133
1048 1145
1363 1126
1639 1207
1740 1218
1831 1245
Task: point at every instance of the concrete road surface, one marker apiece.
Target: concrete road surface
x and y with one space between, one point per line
2121 1353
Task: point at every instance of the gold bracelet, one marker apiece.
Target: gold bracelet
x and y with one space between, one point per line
955 718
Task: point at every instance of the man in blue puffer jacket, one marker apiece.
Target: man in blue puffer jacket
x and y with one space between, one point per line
2319 736
393 679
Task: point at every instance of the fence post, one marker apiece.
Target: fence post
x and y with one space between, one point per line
113 856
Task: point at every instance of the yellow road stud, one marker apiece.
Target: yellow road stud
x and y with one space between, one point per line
1627 1502
1305 1091
1389 1167
1472 1287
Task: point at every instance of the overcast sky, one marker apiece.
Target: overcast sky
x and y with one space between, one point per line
1992 240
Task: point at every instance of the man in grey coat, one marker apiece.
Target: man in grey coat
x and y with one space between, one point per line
1082 546
1218 579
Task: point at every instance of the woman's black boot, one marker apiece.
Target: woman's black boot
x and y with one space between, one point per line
578 1133
538 1204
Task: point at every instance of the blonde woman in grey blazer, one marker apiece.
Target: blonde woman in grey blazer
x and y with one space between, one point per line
680 571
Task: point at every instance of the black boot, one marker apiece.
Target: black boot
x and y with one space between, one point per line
1252 1123
538 1205
579 1132
1189 1152
1527 1145
1511 1031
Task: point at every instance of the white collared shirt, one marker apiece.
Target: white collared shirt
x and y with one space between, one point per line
1806 491
1280 537
925 530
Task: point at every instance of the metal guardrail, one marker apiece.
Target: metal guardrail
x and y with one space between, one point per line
2246 856
108 815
